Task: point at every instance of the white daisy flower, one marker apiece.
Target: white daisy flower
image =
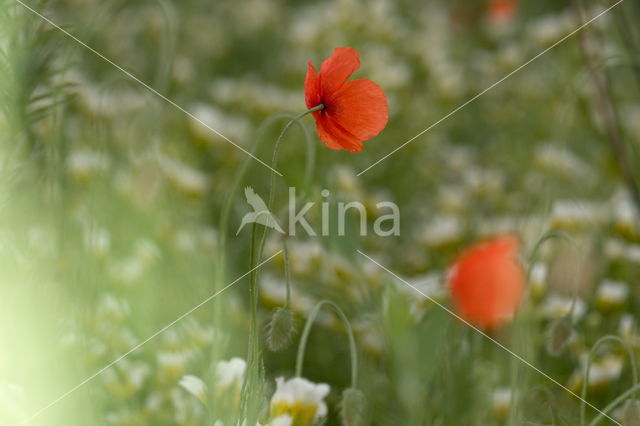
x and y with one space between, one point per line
207 116
230 372
172 364
602 373
500 402
195 386
301 399
191 181
97 241
555 307
112 309
624 215
559 160
441 231
284 420
82 163
569 214
244 423
538 279
611 294
429 284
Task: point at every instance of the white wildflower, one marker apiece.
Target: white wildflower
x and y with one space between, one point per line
611 294
172 364
538 279
284 420
500 402
235 128
301 399
97 241
441 231
576 214
195 386
83 163
190 181
556 307
229 373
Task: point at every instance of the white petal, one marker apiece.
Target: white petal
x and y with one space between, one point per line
195 386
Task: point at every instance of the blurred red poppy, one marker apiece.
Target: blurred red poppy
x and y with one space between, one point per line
502 11
487 281
354 111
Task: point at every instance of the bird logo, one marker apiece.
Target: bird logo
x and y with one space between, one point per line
260 213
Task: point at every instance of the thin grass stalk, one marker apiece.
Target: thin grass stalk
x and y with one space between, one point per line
605 107
585 382
307 330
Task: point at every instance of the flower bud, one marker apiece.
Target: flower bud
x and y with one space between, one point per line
631 413
560 331
280 329
353 407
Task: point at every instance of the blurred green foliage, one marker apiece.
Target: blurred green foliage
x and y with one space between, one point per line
111 201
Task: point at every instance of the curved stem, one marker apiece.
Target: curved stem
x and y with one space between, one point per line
632 360
287 272
307 329
226 208
254 362
274 163
276 149
549 396
533 256
606 410
257 256
237 180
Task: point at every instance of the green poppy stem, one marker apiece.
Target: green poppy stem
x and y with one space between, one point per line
287 272
274 163
254 362
307 329
253 277
585 382
606 410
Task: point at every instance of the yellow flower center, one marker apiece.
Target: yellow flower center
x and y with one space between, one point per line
302 414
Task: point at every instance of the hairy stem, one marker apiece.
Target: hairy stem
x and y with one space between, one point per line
347 325
632 360
287 272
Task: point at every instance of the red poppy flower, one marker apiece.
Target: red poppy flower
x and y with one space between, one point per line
502 11
354 111
487 281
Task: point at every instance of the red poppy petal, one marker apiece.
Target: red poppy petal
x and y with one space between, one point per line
336 69
487 281
312 87
335 136
360 107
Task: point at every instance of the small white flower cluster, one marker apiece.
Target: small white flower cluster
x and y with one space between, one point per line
295 401
603 372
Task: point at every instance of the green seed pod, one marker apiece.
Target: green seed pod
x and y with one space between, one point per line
280 329
559 333
353 407
631 413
